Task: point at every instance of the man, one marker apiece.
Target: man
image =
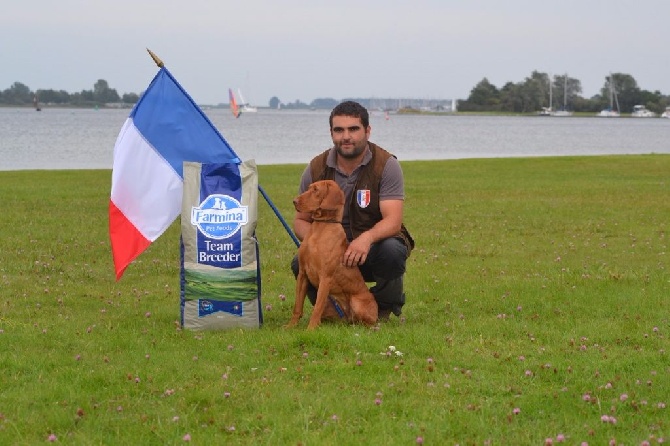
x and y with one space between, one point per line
373 185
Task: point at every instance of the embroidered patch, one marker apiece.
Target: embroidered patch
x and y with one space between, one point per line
363 198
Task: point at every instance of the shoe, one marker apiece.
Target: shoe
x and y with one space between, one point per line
383 315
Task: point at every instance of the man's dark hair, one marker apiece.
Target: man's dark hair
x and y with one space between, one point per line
350 108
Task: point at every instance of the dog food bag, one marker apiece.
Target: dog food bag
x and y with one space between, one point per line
220 270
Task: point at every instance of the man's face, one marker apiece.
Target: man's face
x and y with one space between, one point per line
349 136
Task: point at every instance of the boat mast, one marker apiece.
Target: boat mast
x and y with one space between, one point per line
616 98
613 95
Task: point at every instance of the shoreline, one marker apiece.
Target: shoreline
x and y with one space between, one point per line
402 162
405 112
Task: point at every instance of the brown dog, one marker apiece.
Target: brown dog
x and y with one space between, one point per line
320 260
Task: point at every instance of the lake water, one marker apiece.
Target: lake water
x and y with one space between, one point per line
84 138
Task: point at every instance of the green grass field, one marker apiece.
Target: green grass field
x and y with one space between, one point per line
538 309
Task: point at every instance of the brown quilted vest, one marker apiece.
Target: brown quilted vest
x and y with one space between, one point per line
362 219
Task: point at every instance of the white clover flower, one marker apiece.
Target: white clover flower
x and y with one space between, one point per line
398 353
391 348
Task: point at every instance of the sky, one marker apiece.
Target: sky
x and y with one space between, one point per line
308 49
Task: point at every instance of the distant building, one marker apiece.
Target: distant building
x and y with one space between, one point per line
381 104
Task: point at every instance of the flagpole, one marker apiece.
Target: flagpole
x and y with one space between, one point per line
160 64
156 59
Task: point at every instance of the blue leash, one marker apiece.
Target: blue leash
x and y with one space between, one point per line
337 306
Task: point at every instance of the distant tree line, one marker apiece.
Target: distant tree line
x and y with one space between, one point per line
19 95
619 91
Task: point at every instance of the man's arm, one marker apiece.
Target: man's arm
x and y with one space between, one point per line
388 226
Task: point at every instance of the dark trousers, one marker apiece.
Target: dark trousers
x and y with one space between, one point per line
385 266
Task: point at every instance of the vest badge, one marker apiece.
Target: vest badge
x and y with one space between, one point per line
363 198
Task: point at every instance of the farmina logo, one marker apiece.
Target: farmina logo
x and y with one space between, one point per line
219 216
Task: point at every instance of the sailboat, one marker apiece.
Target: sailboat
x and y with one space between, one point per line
564 111
547 111
36 103
233 104
610 112
244 105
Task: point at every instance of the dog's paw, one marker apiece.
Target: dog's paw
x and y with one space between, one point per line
292 323
313 325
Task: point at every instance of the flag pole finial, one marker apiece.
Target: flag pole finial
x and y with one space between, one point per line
155 58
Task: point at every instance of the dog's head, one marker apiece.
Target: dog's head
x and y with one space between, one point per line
321 199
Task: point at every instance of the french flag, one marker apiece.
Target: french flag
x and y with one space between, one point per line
164 129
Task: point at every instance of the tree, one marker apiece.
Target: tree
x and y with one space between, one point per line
296 105
274 102
535 92
510 98
653 101
130 98
567 88
18 94
484 96
580 104
53 97
103 94
325 103
628 90
624 93
83 97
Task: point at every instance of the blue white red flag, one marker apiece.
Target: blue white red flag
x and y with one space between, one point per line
164 129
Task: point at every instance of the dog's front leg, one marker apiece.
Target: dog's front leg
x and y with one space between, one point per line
300 293
320 305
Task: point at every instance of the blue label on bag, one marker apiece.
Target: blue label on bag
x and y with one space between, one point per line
220 216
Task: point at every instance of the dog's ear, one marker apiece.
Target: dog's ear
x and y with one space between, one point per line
334 197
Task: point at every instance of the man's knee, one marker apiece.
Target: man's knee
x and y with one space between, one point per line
389 258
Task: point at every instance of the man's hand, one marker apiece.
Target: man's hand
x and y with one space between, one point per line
357 251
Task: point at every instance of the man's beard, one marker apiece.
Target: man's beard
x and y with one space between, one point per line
357 151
